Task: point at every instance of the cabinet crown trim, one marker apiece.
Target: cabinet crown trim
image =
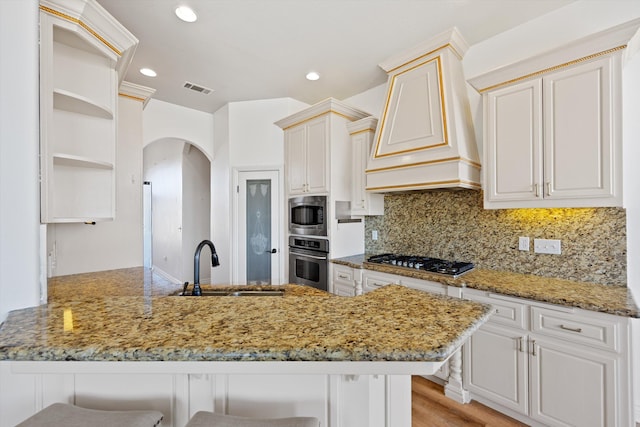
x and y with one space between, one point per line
449 39
622 37
329 105
362 125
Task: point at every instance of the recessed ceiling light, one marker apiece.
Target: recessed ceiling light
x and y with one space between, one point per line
313 76
186 14
148 72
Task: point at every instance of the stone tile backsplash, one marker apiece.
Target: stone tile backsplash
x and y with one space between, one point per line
454 225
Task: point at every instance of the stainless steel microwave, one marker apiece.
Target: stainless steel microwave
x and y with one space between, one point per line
308 215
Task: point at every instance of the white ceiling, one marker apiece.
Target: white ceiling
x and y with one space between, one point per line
261 49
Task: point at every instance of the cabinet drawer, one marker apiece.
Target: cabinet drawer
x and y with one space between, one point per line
596 332
372 281
342 274
509 312
424 285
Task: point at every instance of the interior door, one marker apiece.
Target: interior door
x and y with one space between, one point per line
258 223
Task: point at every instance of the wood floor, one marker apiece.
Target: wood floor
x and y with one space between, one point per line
431 408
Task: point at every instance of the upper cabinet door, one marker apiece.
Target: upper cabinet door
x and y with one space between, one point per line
513 148
317 141
296 155
578 132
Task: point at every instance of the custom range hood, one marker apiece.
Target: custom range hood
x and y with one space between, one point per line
425 139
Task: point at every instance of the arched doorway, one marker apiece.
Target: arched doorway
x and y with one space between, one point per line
178 174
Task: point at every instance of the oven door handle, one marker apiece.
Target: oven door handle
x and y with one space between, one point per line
324 258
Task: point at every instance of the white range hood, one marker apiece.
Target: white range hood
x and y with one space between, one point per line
425 137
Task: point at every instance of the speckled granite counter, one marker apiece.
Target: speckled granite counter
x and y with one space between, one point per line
589 296
126 315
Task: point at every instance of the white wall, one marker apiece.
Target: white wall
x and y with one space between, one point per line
220 196
631 136
108 245
196 208
19 168
163 120
371 101
163 168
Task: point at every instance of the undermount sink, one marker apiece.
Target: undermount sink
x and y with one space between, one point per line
237 293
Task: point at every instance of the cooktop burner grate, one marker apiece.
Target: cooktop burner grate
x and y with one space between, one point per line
432 265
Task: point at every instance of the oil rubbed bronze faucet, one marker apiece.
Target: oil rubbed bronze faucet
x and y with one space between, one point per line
196 265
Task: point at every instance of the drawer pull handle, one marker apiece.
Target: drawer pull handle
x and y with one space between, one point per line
535 189
520 339
567 328
342 276
533 348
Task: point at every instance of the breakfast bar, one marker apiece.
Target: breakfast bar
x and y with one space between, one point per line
122 337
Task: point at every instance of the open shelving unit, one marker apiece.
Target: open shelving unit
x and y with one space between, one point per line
80 71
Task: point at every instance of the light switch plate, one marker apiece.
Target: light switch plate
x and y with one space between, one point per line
374 234
523 243
547 246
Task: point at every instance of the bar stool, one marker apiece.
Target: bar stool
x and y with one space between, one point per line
66 415
210 419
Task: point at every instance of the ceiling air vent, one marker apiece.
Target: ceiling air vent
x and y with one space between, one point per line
198 88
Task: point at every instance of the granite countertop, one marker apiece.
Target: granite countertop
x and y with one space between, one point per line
615 300
129 315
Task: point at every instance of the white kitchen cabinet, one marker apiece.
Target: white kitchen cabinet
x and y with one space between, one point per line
550 141
306 157
552 365
424 285
553 125
362 201
79 66
372 280
317 151
495 366
343 279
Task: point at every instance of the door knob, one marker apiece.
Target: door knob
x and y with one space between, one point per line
272 251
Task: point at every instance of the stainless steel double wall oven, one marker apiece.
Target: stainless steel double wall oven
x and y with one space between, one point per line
308 242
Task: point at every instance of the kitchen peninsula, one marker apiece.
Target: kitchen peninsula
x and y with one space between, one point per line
307 352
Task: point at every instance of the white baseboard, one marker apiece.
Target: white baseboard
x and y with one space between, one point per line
166 275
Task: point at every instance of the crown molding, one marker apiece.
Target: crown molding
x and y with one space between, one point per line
329 105
449 39
138 92
624 37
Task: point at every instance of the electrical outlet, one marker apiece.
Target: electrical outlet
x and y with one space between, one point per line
547 246
374 234
523 243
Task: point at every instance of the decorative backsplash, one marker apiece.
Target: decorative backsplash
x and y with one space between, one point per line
453 225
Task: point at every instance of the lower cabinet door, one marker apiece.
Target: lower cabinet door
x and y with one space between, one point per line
495 360
571 387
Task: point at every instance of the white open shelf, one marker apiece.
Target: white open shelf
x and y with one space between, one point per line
69 101
80 162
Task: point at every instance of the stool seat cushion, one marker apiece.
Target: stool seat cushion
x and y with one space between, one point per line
210 419
66 415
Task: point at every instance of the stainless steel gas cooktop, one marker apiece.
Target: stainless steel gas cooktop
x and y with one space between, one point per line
433 265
